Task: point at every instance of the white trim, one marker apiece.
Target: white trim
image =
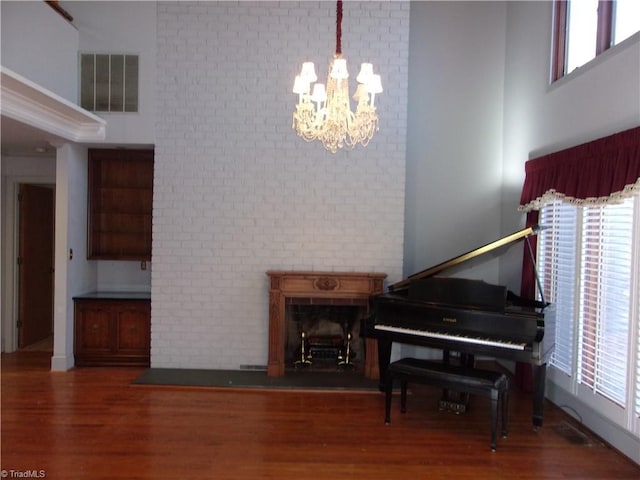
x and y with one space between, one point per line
552 195
33 105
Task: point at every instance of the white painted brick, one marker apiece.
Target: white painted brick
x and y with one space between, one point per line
238 193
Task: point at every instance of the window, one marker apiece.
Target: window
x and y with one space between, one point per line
589 265
584 29
109 83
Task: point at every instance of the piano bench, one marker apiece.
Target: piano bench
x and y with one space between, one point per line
461 379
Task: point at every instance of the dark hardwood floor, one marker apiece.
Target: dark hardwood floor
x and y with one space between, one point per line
93 424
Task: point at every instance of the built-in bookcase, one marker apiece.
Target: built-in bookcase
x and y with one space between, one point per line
120 204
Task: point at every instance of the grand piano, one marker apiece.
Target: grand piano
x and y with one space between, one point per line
470 317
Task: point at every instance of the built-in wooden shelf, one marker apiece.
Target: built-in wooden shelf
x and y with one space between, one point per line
120 204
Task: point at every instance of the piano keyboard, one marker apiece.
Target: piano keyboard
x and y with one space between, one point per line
455 338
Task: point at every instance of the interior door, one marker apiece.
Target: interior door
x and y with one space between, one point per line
35 264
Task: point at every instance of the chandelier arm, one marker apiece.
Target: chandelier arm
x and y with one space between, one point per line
338 28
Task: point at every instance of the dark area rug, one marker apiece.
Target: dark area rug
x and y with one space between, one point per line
295 380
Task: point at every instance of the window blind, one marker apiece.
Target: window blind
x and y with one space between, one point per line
589 266
557 267
606 251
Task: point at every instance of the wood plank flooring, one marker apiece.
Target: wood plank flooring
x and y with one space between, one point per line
93 424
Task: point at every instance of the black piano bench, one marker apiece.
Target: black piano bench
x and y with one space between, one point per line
461 379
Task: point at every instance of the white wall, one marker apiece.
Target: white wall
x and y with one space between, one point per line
74 274
48 55
129 28
237 193
40 45
597 100
454 142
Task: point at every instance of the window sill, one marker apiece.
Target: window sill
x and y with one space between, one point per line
596 61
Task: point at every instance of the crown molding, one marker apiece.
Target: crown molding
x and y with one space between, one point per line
29 103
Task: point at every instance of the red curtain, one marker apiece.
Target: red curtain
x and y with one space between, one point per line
593 171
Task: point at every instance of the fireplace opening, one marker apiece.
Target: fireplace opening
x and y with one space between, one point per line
324 337
327 307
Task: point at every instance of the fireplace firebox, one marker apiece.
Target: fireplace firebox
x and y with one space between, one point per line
323 337
298 302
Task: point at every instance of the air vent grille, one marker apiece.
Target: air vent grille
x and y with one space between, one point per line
109 82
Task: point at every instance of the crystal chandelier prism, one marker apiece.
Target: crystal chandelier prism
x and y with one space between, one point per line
325 113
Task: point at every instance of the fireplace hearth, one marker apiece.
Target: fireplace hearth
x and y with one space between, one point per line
314 321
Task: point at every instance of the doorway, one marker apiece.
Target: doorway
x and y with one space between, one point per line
35 267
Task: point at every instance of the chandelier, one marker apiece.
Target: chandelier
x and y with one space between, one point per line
325 113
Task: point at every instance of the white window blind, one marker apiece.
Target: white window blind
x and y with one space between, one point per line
637 338
557 268
605 299
589 266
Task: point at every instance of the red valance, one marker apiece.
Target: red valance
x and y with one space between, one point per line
600 171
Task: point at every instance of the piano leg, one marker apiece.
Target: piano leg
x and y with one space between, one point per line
384 359
539 379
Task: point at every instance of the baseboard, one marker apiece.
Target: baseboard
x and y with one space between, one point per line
613 434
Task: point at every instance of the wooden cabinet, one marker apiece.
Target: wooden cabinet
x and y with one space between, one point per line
112 331
120 186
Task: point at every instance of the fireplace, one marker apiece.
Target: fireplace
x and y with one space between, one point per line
306 294
323 336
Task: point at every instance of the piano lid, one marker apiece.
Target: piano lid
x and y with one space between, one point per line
429 272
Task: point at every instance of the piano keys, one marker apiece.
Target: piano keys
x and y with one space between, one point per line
453 338
467 316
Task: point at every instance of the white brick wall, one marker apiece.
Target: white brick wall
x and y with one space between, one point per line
238 193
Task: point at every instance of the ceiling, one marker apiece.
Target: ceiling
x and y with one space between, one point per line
19 139
33 119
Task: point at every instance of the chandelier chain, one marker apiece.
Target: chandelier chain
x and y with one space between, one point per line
339 28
